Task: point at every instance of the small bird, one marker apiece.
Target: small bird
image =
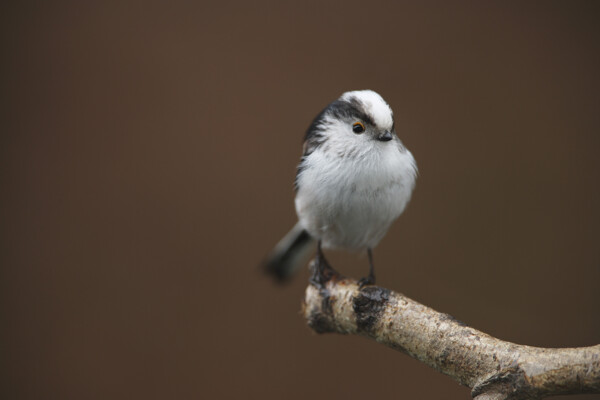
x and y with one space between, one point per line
354 179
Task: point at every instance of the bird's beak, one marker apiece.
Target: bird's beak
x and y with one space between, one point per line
385 136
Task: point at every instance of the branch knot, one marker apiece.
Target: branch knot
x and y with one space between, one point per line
368 305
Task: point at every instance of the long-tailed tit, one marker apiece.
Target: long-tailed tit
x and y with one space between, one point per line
354 179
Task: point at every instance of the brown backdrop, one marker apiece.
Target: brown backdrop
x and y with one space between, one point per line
147 159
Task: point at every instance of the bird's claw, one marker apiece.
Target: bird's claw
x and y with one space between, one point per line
322 272
368 280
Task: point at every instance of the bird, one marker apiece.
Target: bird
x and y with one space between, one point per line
354 179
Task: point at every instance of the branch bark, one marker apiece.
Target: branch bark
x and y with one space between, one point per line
492 368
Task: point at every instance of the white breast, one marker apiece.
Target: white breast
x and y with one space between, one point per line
349 199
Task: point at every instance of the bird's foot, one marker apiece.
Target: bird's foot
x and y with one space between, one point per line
368 280
322 272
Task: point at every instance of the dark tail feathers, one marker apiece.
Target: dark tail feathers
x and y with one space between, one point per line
289 254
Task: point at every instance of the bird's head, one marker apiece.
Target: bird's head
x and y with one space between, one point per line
364 113
359 120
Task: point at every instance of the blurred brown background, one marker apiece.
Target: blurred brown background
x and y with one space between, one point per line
147 158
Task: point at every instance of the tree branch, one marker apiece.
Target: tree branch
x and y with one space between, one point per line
492 368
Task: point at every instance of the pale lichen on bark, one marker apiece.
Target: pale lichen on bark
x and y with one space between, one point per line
492 368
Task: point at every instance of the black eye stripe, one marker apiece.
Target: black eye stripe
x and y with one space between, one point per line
351 108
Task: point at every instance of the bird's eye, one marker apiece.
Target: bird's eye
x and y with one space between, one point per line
358 127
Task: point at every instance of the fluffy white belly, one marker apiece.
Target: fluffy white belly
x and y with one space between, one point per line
351 202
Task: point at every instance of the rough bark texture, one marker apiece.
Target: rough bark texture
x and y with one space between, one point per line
493 368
